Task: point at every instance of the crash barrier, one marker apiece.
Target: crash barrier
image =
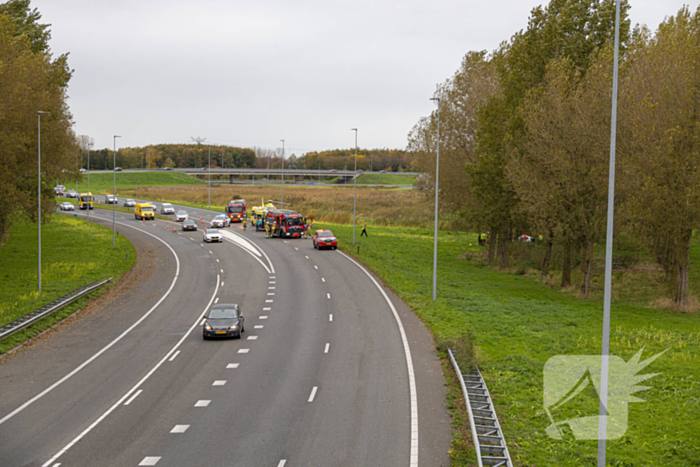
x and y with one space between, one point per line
491 449
31 318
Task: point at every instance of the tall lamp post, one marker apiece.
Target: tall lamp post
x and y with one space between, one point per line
282 197
88 185
603 413
209 173
354 200
39 114
437 191
114 193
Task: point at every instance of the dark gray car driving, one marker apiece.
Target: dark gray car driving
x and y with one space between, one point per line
223 320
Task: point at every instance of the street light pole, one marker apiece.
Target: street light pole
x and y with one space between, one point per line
39 114
354 200
88 185
114 192
282 197
437 191
209 172
603 412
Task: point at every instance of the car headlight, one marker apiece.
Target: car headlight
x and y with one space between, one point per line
235 326
207 327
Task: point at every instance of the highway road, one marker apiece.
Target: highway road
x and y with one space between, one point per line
332 369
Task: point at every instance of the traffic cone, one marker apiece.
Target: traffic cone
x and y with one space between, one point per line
144 219
201 220
167 227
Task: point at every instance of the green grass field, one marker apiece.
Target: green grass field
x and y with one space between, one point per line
102 182
386 179
519 324
73 254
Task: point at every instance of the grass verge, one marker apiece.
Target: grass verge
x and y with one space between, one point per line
518 324
386 179
73 254
102 182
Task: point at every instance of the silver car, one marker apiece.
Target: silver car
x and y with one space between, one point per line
212 235
221 220
67 206
129 203
167 208
181 216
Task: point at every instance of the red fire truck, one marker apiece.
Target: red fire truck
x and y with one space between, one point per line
236 210
286 223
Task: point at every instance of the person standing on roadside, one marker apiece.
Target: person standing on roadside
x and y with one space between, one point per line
364 231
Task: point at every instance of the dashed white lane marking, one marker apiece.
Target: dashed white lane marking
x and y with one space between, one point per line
306 257
330 317
133 397
57 464
232 365
222 271
273 277
273 282
313 394
258 326
252 338
243 350
285 241
222 284
174 355
202 403
271 288
210 252
219 382
263 317
296 248
315 266
328 346
328 295
150 460
270 294
179 429
267 309
323 279
217 300
269 301
217 260
282 463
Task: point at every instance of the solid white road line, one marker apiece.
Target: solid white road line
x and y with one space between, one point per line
263 317
136 394
313 394
328 295
243 350
330 317
409 365
282 463
202 403
174 355
219 382
108 346
140 383
252 338
232 365
204 320
149 461
328 346
179 429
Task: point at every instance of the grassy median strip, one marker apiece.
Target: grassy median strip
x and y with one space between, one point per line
518 324
73 254
102 182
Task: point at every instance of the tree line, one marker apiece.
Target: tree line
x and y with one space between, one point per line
525 137
31 80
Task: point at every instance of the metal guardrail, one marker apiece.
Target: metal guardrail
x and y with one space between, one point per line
491 449
31 318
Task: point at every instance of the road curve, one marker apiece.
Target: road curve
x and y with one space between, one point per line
320 376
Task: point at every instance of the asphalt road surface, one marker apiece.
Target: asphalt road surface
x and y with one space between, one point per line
332 369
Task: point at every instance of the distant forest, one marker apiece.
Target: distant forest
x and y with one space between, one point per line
197 155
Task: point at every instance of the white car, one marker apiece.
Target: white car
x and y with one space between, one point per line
221 220
167 208
111 199
212 235
181 216
129 203
67 206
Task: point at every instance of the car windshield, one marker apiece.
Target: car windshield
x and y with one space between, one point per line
167 205
220 216
235 209
129 200
146 209
86 198
213 232
189 222
181 213
223 313
325 234
295 221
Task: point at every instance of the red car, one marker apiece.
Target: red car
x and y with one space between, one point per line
325 239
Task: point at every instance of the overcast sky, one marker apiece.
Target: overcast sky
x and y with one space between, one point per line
250 73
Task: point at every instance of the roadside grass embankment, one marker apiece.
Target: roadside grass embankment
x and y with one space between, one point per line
518 324
375 206
386 179
102 182
73 254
